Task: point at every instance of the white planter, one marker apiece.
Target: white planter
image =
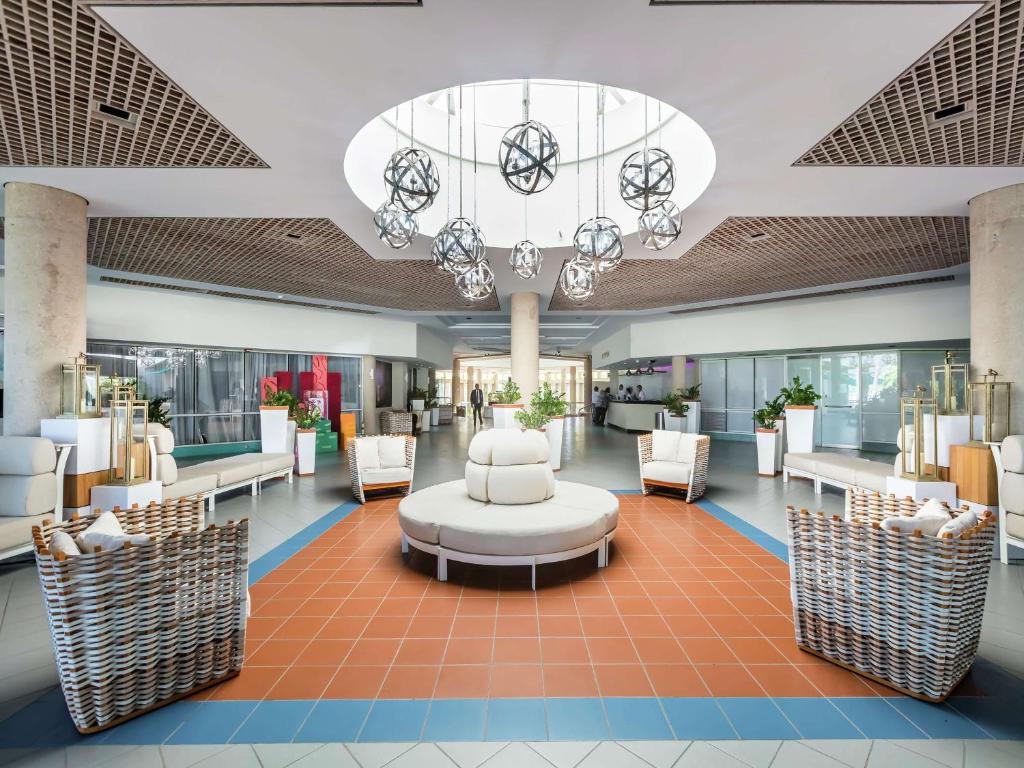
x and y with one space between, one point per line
305 447
780 443
274 429
674 423
693 417
767 450
425 421
554 430
505 415
435 416
800 428
418 405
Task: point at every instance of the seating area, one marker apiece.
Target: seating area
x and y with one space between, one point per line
383 464
674 462
836 469
31 482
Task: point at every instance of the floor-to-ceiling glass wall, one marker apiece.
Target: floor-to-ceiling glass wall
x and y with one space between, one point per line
840 400
564 375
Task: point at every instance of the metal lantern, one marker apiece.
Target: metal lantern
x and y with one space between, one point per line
919 419
395 227
600 240
459 245
411 180
79 389
989 407
476 282
528 157
129 441
660 226
578 279
646 178
949 386
525 259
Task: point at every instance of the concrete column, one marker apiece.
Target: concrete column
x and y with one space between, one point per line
45 233
997 291
456 380
571 397
588 380
369 396
526 342
678 372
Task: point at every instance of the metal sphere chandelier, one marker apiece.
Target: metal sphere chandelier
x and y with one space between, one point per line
477 282
411 179
395 227
578 279
647 177
660 225
458 246
528 157
599 240
525 259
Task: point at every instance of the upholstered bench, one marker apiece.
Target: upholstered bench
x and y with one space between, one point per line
836 469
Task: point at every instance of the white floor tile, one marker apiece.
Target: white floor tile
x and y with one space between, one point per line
327 756
994 754
610 755
793 754
423 756
140 757
281 755
43 758
470 754
851 752
756 754
948 752
517 755
376 755
563 754
87 757
702 755
236 756
885 754
660 754
187 755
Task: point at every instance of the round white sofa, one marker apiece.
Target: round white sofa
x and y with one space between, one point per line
509 510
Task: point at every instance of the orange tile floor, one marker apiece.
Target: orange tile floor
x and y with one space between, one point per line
687 607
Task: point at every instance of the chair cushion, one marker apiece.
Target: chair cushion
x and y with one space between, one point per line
26 456
523 529
1015 525
106 533
164 439
275 462
664 445
872 475
476 480
422 514
391 451
367 453
17 531
1012 492
520 484
166 469
27 495
1012 453
389 475
668 471
687 447
579 496
234 469
61 543
191 481
515 447
805 462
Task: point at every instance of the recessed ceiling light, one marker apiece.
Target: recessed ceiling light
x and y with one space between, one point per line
756 237
952 113
111 114
293 235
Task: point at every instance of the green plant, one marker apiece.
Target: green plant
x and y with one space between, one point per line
547 401
508 394
418 394
279 398
692 393
767 416
799 393
675 402
532 418
431 397
306 415
159 412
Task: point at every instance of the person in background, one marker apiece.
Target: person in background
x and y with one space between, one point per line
628 395
621 394
606 399
640 396
476 399
595 406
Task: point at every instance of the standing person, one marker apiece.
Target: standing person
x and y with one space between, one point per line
595 406
606 399
476 399
640 392
622 393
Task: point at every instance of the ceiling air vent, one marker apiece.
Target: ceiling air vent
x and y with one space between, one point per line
116 115
756 237
952 113
293 235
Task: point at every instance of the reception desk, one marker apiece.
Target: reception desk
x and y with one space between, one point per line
636 417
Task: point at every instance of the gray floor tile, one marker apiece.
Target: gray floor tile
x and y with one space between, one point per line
470 754
851 752
281 755
755 753
327 756
660 754
793 754
563 754
610 755
186 755
885 754
517 755
994 754
377 754
702 755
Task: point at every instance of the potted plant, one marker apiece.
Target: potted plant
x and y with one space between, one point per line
691 396
418 405
532 418
274 412
769 444
306 417
507 401
433 406
552 405
676 408
159 412
800 399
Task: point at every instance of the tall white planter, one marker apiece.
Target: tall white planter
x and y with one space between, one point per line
674 423
800 428
767 449
418 405
435 416
305 447
505 415
692 417
780 443
555 429
274 429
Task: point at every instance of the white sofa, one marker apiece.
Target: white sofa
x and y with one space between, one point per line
381 464
836 469
674 461
1010 466
31 488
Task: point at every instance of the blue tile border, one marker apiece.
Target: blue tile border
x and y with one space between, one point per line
293 545
778 548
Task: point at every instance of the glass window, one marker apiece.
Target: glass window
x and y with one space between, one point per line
712 377
739 382
916 369
769 377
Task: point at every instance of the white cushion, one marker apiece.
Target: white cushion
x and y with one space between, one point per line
872 475
515 447
579 496
520 484
234 469
482 445
275 462
106 533
17 531
476 480
27 495
422 514
526 529
164 439
62 543
1012 453
664 445
668 471
391 451
367 453
805 462
191 481
166 469
1015 525
26 456
687 447
1011 492
389 475
959 524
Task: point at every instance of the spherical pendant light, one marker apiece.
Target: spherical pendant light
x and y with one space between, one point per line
411 180
646 178
600 240
528 157
660 226
395 227
458 246
476 282
525 259
578 279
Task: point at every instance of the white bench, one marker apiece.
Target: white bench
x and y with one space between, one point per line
837 469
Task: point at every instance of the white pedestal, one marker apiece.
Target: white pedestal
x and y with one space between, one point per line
692 417
767 442
305 446
780 444
505 415
417 406
91 438
900 487
274 428
800 429
675 423
106 497
554 431
435 416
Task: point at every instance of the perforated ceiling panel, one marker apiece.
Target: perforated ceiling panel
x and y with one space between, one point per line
747 256
58 61
300 257
960 104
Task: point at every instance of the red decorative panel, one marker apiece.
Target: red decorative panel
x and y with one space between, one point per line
319 372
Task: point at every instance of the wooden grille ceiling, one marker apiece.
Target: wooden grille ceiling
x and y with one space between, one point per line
301 257
58 60
960 104
751 255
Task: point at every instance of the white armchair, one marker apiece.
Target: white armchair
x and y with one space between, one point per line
1009 458
31 489
381 463
674 461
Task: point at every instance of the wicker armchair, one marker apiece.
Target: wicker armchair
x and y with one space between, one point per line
395 423
382 463
445 413
674 461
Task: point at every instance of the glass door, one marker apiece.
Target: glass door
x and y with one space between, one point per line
840 400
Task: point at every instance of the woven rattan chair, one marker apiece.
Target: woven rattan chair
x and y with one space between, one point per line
395 423
904 609
674 462
136 628
445 413
374 466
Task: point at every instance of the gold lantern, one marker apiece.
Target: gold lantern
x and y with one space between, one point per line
919 419
129 439
79 390
949 386
989 406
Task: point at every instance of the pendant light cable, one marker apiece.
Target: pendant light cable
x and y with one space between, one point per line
396 129
460 151
474 154
579 154
448 174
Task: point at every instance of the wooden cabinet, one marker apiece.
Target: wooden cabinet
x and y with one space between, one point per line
973 470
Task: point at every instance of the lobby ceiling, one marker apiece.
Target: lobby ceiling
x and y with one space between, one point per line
246 110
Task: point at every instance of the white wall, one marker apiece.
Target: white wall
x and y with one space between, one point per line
399 384
433 348
613 348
